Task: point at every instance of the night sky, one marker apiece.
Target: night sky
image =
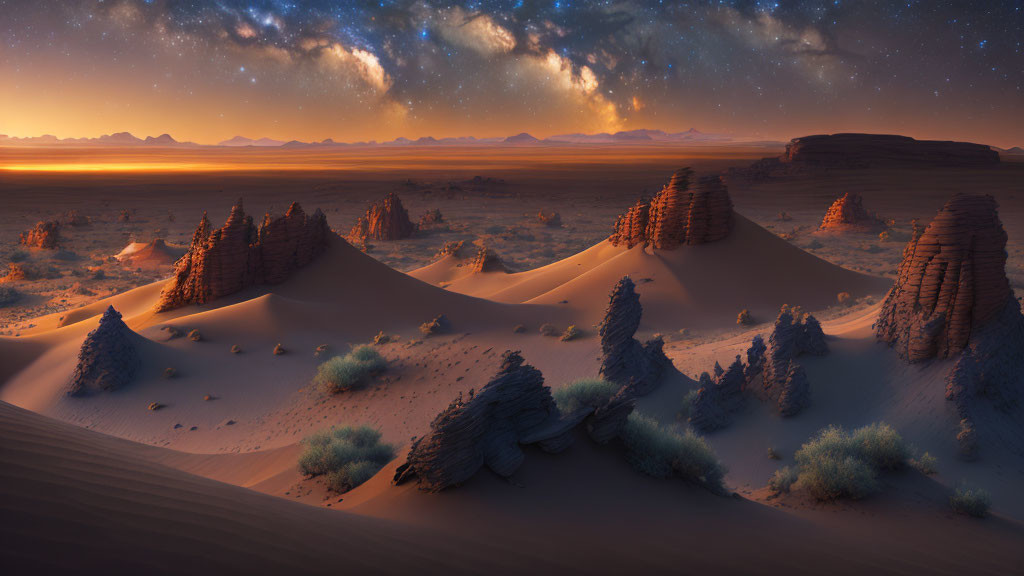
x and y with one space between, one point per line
206 71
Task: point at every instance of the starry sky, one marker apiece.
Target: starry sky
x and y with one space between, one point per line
309 70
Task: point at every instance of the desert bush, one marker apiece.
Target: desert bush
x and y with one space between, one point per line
970 500
687 404
926 464
588 393
8 296
548 330
438 325
381 338
783 479
836 464
350 371
743 318
571 333
348 456
662 453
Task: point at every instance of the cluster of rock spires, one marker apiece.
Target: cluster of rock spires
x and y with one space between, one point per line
239 254
952 299
848 214
624 360
783 381
43 235
487 428
385 220
683 212
108 358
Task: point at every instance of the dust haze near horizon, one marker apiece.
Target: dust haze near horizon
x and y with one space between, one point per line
205 72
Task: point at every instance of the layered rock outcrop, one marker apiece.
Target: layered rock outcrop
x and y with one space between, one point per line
683 212
952 299
486 260
385 220
238 255
44 235
624 360
848 214
108 359
867 150
783 381
719 397
487 429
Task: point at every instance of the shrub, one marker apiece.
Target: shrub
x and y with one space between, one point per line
590 393
743 318
687 404
926 464
836 464
783 479
661 453
571 333
348 456
352 370
970 501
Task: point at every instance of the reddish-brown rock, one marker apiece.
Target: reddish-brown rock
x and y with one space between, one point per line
385 220
952 281
683 212
238 255
848 214
44 235
864 150
552 219
486 260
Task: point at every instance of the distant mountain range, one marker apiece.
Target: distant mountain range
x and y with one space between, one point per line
642 136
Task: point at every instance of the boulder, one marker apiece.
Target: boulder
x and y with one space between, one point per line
238 255
108 359
44 235
624 360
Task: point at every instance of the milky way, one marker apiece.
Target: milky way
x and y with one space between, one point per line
358 70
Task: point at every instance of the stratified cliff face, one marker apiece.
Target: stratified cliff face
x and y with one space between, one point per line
683 212
487 429
238 255
624 360
848 214
108 359
952 299
44 235
385 220
863 150
951 282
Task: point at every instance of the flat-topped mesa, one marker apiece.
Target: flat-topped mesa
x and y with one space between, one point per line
108 359
952 298
683 212
866 150
239 255
848 214
44 235
624 360
486 260
385 220
487 429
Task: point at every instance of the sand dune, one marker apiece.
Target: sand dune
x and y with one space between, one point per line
701 286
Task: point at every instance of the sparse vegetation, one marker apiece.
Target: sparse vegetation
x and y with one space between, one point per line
438 325
381 338
350 371
321 350
548 330
773 454
743 318
571 333
587 393
926 464
662 453
195 335
348 456
687 404
783 479
971 501
836 464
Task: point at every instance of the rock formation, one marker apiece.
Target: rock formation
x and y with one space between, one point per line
486 260
108 359
431 219
796 391
719 397
385 220
552 219
76 219
866 150
605 424
848 214
783 381
453 247
45 235
683 212
624 360
952 299
487 429
238 255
